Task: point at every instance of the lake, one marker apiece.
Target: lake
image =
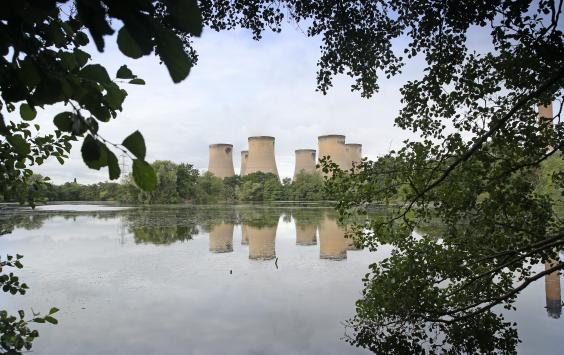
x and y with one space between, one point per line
255 279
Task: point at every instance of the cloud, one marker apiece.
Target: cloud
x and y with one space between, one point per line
239 88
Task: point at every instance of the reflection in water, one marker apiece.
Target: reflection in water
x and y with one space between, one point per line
162 225
221 238
261 242
553 293
332 242
306 234
244 235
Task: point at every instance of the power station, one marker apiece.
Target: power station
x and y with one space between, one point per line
353 152
333 146
221 160
305 161
260 157
244 157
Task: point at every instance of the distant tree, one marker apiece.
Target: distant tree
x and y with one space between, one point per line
209 189
186 179
307 187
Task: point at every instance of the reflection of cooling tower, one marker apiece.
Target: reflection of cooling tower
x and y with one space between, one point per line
553 296
353 154
545 112
244 235
305 235
261 242
221 238
221 160
305 161
244 157
261 155
333 145
332 242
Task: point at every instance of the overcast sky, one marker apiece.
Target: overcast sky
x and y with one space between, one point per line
239 88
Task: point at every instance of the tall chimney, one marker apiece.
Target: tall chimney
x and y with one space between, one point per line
305 161
221 238
353 153
261 155
261 242
332 242
221 160
244 157
333 146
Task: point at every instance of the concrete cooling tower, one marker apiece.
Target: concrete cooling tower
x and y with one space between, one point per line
545 112
261 155
553 292
332 242
261 242
244 157
333 145
353 153
221 160
221 238
305 161
306 235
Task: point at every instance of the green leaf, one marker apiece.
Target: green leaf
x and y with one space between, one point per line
135 144
144 175
124 73
63 121
186 16
81 57
53 310
90 150
113 165
137 81
171 51
131 47
95 72
51 320
20 145
39 320
27 112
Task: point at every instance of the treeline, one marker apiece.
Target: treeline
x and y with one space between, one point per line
182 183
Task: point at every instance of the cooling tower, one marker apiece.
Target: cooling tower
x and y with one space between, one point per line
305 161
545 112
261 155
333 145
244 157
353 154
332 242
221 238
221 160
261 242
306 235
553 292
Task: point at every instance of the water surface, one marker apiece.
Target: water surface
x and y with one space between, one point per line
207 280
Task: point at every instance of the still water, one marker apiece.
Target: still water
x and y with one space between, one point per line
208 280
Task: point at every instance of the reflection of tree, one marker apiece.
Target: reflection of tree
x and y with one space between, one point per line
160 225
259 216
27 221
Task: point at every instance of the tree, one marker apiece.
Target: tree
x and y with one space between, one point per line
42 64
186 178
480 145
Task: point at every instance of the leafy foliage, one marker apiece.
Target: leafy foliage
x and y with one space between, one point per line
16 334
43 63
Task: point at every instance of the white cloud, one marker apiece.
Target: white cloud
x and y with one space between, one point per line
239 88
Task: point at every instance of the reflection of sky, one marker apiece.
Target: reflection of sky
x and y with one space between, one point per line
127 298
181 299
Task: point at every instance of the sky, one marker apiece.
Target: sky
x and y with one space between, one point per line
239 88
